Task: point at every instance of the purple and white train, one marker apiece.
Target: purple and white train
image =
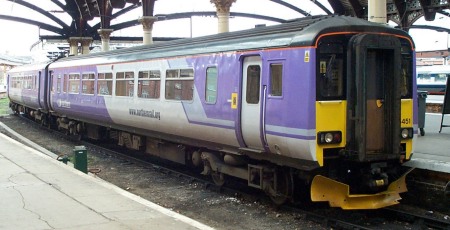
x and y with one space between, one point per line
325 103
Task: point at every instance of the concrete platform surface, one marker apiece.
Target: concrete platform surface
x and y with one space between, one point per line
38 192
432 151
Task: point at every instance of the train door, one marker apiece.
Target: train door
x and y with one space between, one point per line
251 103
374 96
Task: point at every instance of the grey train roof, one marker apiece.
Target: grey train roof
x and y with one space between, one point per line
299 32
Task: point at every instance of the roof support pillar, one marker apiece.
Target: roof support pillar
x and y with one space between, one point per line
105 34
73 42
147 24
377 11
85 44
223 14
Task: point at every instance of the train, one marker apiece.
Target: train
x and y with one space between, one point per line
322 105
433 79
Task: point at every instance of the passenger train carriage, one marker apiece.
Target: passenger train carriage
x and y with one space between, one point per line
323 102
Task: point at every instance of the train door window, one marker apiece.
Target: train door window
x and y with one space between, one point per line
211 85
330 71
58 84
276 79
149 84
104 84
125 84
180 84
52 75
87 83
253 84
74 83
36 80
65 82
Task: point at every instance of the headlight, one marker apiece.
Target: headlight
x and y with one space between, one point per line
407 133
404 133
329 137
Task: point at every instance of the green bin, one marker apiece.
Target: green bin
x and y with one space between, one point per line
80 159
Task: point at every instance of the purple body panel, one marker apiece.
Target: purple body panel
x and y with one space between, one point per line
296 107
35 97
291 110
80 106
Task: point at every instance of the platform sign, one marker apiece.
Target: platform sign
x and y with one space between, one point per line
446 104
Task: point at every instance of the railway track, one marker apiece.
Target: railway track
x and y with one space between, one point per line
387 218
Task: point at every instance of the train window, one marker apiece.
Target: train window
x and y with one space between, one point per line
27 82
180 84
74 83
276 79
253 84
211 85
87 83
52 77
149 84
36 80
104 84
58 84
65 82
125 84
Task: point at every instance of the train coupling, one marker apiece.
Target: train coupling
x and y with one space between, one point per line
338 194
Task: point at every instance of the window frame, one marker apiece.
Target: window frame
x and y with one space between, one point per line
156 93
179 77
104 79
124 79
74 77
90 78
271 84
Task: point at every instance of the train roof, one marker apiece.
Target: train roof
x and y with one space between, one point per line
30 67
299 32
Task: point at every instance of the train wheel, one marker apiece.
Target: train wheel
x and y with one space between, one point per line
218 178
283 190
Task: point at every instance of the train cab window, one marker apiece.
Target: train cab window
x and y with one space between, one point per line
87 83
74 83
149 84
276 79
211 85
125 84
253 84
65 82
180 84
330 80
104 84
406 72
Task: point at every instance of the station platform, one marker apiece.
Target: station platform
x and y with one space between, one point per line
38 192
432 151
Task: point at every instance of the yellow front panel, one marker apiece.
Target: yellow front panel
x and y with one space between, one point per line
407 122
330 116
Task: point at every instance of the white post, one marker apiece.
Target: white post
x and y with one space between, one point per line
223 19
147 24
105 34
85 43
73 42
377 11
